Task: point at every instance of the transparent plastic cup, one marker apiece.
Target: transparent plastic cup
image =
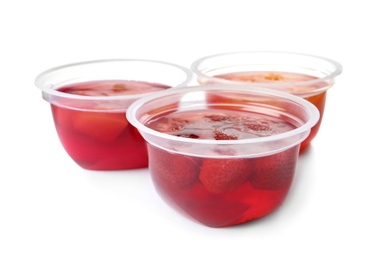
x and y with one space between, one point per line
89 102
218 161
306 76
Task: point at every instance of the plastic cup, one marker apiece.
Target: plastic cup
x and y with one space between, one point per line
222 181
306 76
89 102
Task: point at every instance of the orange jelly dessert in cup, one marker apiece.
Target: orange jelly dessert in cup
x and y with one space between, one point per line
89 102
306 76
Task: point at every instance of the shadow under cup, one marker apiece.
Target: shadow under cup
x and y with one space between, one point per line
90 118
306 76
226 181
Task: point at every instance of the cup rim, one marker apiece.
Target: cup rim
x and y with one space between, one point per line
46 89
310 108
337 71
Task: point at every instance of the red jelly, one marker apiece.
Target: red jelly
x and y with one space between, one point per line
97 136
222 154
221 191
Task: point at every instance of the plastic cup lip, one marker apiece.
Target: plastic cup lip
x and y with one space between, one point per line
310 108
338 68
53 92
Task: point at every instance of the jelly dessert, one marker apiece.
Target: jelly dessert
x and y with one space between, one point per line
98 136
272 78
219 191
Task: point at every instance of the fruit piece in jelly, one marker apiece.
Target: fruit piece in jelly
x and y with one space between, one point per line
213 210
224 175
173 170
275 171
103 126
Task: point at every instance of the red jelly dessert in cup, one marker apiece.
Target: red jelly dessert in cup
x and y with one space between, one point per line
222 162
100 137
89 102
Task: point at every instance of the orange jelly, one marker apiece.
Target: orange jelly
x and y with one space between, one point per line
274 78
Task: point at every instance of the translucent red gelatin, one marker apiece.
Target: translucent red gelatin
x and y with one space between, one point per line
317 99
222 191
99 139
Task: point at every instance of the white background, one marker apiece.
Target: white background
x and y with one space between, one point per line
52 209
